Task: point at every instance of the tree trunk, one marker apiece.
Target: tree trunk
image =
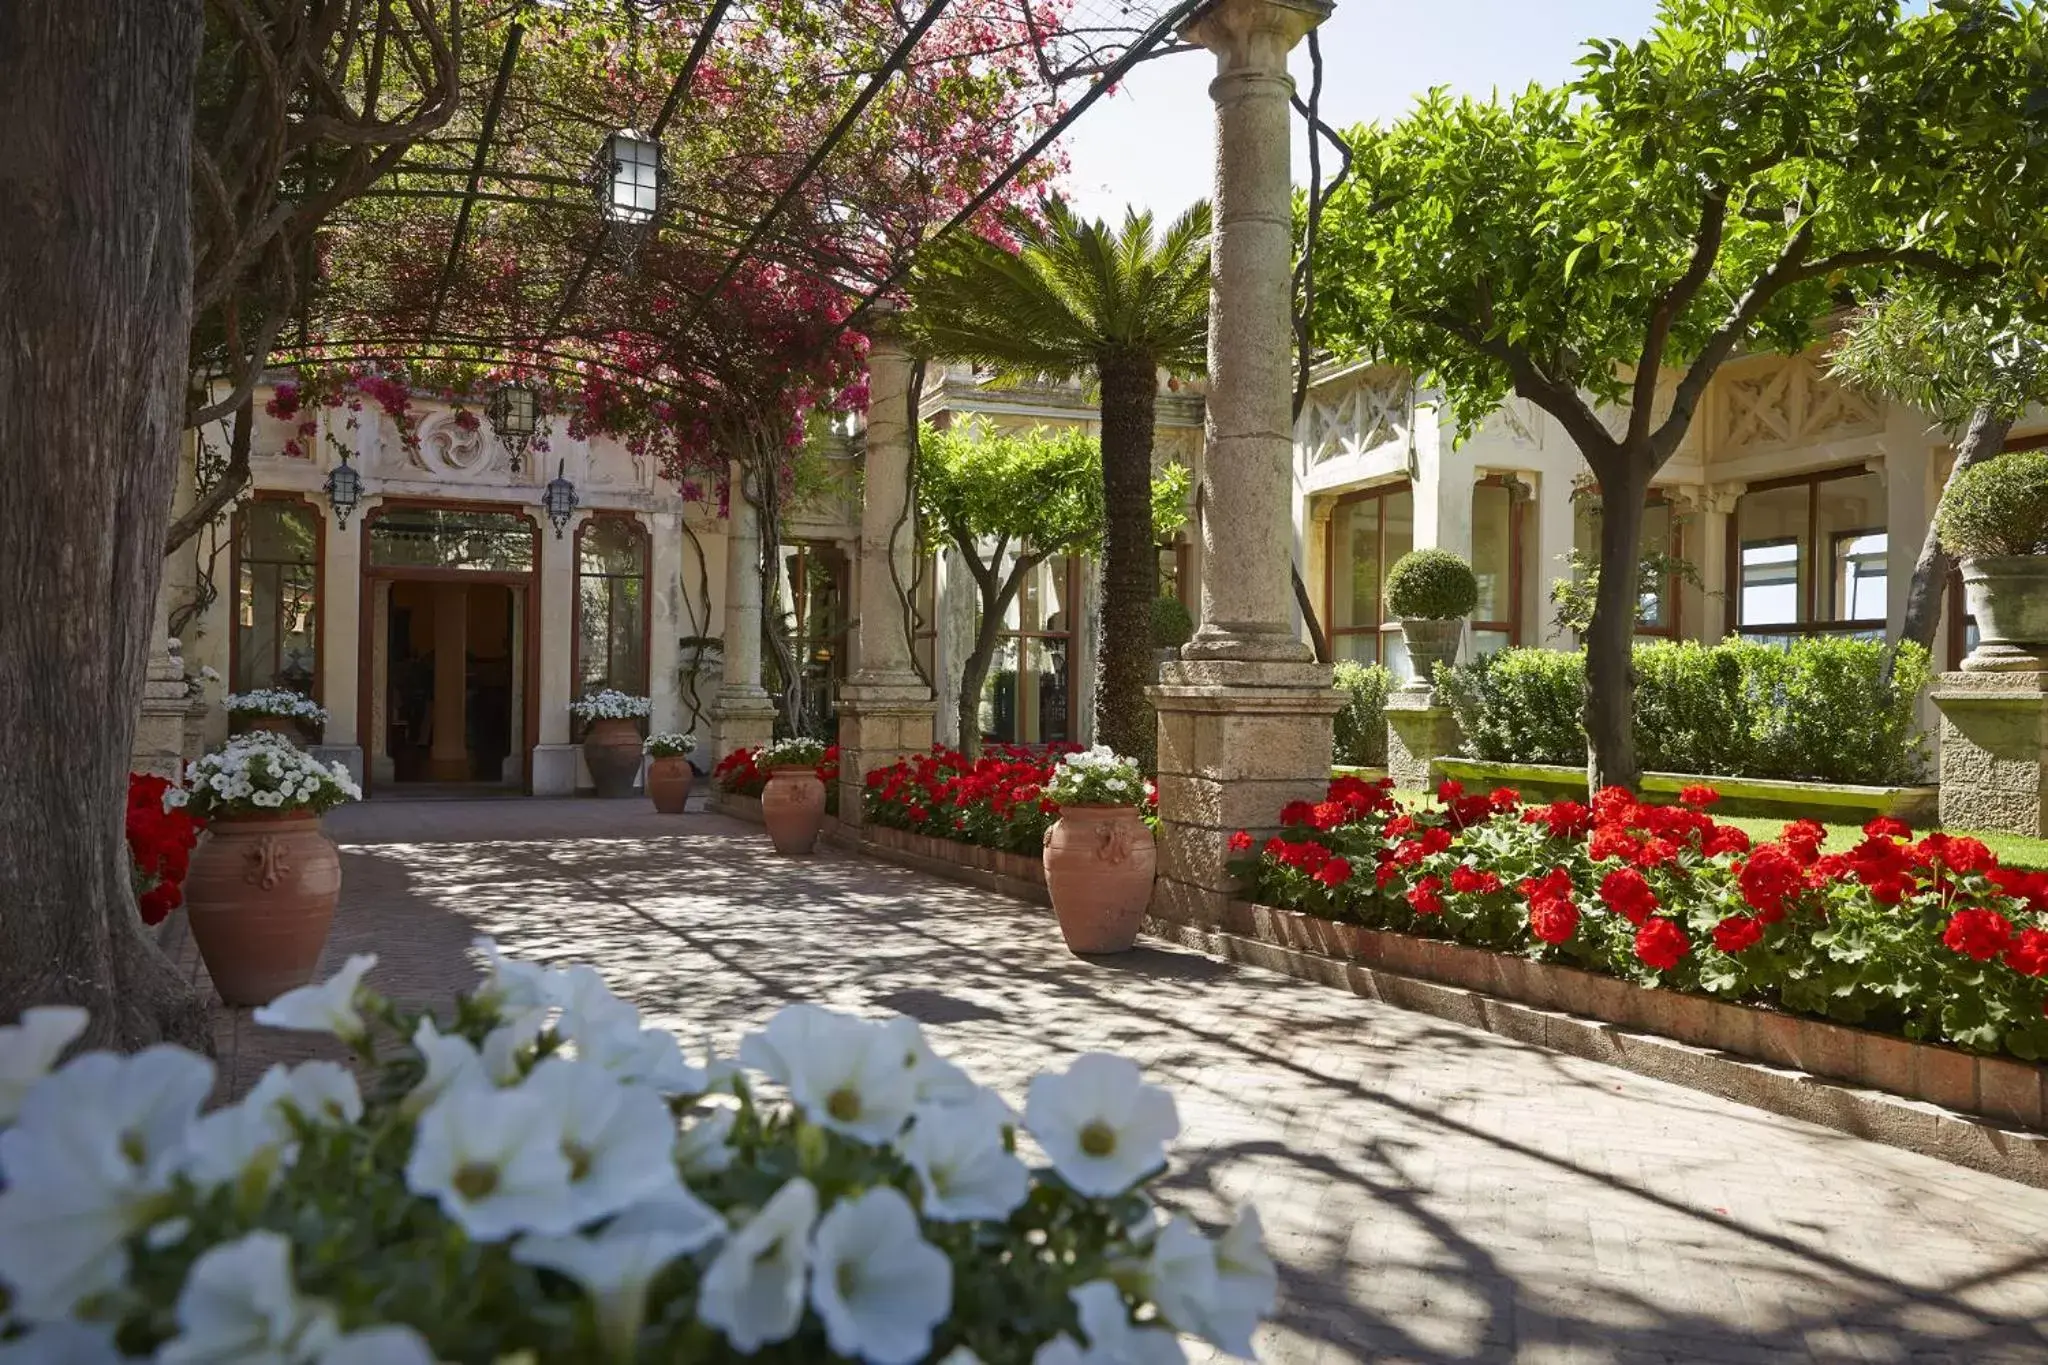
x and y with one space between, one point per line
1130 565
996 596
1983 438
1610 636
213 502
95 308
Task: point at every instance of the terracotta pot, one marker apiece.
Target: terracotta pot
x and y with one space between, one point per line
612 749
1099 862
793 808
277 725
668 783
260 897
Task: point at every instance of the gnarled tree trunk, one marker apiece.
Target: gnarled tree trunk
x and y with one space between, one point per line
1610 636
1130 565
95 306
996 591
1983 438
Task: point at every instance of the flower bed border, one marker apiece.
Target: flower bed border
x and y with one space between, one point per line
1783 1063
1915 805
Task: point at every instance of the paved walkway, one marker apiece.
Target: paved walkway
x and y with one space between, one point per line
1434 1194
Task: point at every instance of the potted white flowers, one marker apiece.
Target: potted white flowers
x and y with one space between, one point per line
584 1193
1099 856
668 770
276 709
793 802
611 738
264 879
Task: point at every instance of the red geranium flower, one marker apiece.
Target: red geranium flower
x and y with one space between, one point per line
1699 796
1425 898
1724 839
1888 827
1979 934
1767 877
1241 842
1553 921
1628 894
1804 838
1466 880
2028 954
1661 943
1449 790
1737 932
1334 873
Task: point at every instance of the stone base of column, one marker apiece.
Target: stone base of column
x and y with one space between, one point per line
880 723
746 720
169 725
1420 730
1994 751
555 769
1237 741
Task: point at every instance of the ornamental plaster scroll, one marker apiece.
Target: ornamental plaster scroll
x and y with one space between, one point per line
1787 402
1371 412
450 449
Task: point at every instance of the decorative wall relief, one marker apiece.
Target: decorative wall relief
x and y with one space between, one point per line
456 447
1372 410
1785 402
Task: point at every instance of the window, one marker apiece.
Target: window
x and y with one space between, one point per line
451 538
611 606
277 599
1496 563
1368 532
812 597
1657 601
1029 695
1810 555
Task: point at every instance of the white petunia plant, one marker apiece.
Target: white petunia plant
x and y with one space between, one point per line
275 701
264 774
547 1180
1097 777
795 752
669 745
610 704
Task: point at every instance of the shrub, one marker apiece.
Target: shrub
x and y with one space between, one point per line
1996 508
1172 626
1817 710
1431 585
1362 724
1929 939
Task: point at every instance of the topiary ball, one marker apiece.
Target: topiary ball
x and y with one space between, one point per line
1172 626
1431 585
1997 508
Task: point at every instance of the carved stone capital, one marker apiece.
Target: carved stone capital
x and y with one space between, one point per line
1253 35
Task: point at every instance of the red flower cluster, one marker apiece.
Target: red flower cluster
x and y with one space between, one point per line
160 844
996 801
1552 916
1627 893
740 773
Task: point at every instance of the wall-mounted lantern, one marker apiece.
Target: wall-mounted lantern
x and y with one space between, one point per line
344 490
559 498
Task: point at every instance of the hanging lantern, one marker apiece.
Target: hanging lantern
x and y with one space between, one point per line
629 179
344 489
560 499
515 415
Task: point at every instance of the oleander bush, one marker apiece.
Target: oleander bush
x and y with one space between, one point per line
1817 710
1927 938
1362 723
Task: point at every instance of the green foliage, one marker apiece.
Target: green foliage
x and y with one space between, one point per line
1573 596
1999 507
1815 711
1040 488
1362 724
1946 355
1172 626
1431 585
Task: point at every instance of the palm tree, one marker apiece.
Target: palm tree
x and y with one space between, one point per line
1078 299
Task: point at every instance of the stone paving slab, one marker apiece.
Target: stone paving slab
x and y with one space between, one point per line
1433 1193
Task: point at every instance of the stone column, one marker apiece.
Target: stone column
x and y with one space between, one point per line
1554 516
449 758
665 581
744 710
162 728
341 582
1245 718
557 764
885 709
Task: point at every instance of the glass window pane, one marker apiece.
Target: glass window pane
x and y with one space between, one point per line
1042 605
1394 649
611 612
1362 646
1355 564
1042 685
1653 607
1850 517
433 538
999 694
1492 552
1488 642
277 618
1771 528
1400 538
610 545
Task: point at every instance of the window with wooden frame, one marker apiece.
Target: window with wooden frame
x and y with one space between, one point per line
812 594
1810 555
1029 695
1369 530
1497 565
1657 603
276 550
612 605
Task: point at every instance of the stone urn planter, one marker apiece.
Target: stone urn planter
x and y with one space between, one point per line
1430 643
668 783
793 808
1430 592
1099 864
611 747
2008 594
260 897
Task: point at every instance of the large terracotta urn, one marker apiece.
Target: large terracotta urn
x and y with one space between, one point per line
277 725
1099 862
793 808
260 897
668 783
611 746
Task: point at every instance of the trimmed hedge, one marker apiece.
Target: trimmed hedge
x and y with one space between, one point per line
1362 724
1815 711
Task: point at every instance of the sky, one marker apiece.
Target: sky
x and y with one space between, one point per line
1149 143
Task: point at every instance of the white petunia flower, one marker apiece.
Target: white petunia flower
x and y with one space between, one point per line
30 1048
1247 1286
256 1136
1103 1127
615 1270
619 1140
962 1168
451 1062
392 1344
240 1306
936 1078
505 1051
877 1284
647 1057
1112 1338
754 1290
86 1167
959 1355
329 1007
64 1343
677 1212
844 1073
704 1147
514 986
493 1158
1180 1274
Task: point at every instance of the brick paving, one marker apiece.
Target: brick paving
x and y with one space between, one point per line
1433 1193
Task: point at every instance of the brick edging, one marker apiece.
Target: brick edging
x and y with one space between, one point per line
1009 874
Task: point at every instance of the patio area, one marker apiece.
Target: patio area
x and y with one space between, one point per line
1432 1193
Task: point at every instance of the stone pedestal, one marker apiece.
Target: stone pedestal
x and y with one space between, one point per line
878 726
1994 751
1420 729
744 711
168 727
556 768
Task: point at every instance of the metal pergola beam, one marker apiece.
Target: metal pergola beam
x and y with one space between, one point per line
506 61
